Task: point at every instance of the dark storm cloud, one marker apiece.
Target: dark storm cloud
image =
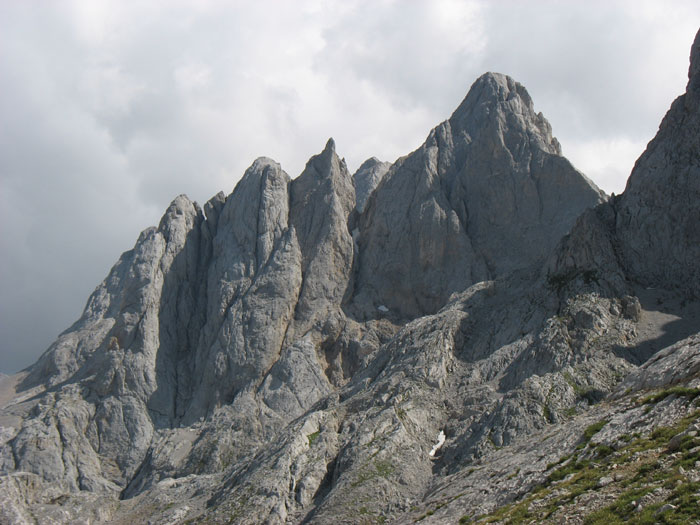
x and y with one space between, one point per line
108 110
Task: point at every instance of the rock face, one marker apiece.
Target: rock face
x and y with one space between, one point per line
483 196
225 307
367 178
420 341
650 233
657 217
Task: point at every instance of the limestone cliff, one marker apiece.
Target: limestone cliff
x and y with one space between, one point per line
484 195
421 341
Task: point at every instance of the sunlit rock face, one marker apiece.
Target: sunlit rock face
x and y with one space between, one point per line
418 341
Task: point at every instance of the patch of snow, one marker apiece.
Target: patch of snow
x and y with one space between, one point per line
382 308
440 442
166 483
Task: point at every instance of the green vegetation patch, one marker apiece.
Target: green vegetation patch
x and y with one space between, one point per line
592 430
378 469
677 391
620 511
384 468
581 472
313 437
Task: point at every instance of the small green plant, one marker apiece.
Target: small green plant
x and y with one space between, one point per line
547 414
313 437
401 413
570 412
603 451
380 469
570 468
593 429
514 473
678 391
384 468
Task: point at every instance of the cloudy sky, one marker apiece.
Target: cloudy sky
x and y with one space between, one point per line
108 110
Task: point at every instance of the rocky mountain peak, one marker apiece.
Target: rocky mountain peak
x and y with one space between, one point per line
486 193
326 165
496 103
330 146
386 346
367 178
655 216
369 163
180 209
326 173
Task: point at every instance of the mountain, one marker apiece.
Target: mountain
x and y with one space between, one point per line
487 193
458 334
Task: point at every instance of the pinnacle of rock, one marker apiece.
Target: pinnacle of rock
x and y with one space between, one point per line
367 178
497 93
487 193
656 215
437 331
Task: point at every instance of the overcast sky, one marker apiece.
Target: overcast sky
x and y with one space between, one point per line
108 110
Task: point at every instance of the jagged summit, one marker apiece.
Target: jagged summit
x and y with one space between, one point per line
656 217
495 92
693 88
369 163
367 178
414 342
487 192
330 145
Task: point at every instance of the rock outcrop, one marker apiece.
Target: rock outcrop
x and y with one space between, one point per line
421 341
650 233
367 178
481 197
657 218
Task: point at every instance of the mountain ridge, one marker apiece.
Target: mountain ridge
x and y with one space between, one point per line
284 355
473 170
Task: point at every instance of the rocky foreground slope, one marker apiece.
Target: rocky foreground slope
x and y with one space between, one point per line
427 341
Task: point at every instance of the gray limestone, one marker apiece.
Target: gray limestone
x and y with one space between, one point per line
367 178
657 215
488 192
426 335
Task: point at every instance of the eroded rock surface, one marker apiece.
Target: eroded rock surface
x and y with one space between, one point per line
367 178
420 341
481 197
657 215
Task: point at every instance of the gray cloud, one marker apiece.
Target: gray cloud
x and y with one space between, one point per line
111 109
